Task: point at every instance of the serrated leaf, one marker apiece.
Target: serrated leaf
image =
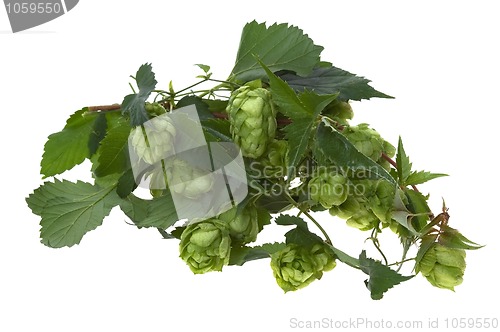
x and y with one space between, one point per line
113 152
417 203
329 80
403 164
159 212
280 47
452 238
299 235
382 278
98 133
201 106
133 104
69 147
421 177
340 151
126 184
70 210
241 255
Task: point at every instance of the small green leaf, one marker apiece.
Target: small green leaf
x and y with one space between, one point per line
329 80
340 151
133 104
70 210
382 278
299 235
113 152
403 163
69 147
402 215
451 238
205 68
421 177
241 255
425 244
159 212
417 204
280 47
126 184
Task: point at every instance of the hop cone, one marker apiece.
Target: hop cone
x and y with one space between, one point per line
243 223
155 142
205 246
273 164
442 266
295 267
366 140
155 109
253 119
328 189
187 180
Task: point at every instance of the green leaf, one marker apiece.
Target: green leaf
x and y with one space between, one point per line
280 47
113 152
98 133
69 147
70 210
345 258
382 278
339 150
421 177
205 68
241 255
425 244
451 238
126 184
403 163
417 203
299 235
402 215
158 212
133 104
329 80
201 106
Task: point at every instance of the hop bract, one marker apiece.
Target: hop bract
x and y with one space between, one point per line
153 141
295 267
253 119
273 163
442 266
205 246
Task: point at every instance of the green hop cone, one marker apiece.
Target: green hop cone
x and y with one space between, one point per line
205 246
347 209
243 223
363 220
328 189
153 141
340 111
366 140
253 119
295 267
187 180
382 200
442 266
273 163
155 109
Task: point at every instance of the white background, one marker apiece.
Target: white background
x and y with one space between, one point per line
440 61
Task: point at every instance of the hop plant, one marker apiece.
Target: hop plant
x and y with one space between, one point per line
155 109
295 267
366 140
243 223
187 180
443 267
205 246
154 140
253 119
328 189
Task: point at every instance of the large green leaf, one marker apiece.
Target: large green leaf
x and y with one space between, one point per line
69 147
133 104
280 47
329 80
70 210
113 152
158 212
303 109
340 151
382 278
